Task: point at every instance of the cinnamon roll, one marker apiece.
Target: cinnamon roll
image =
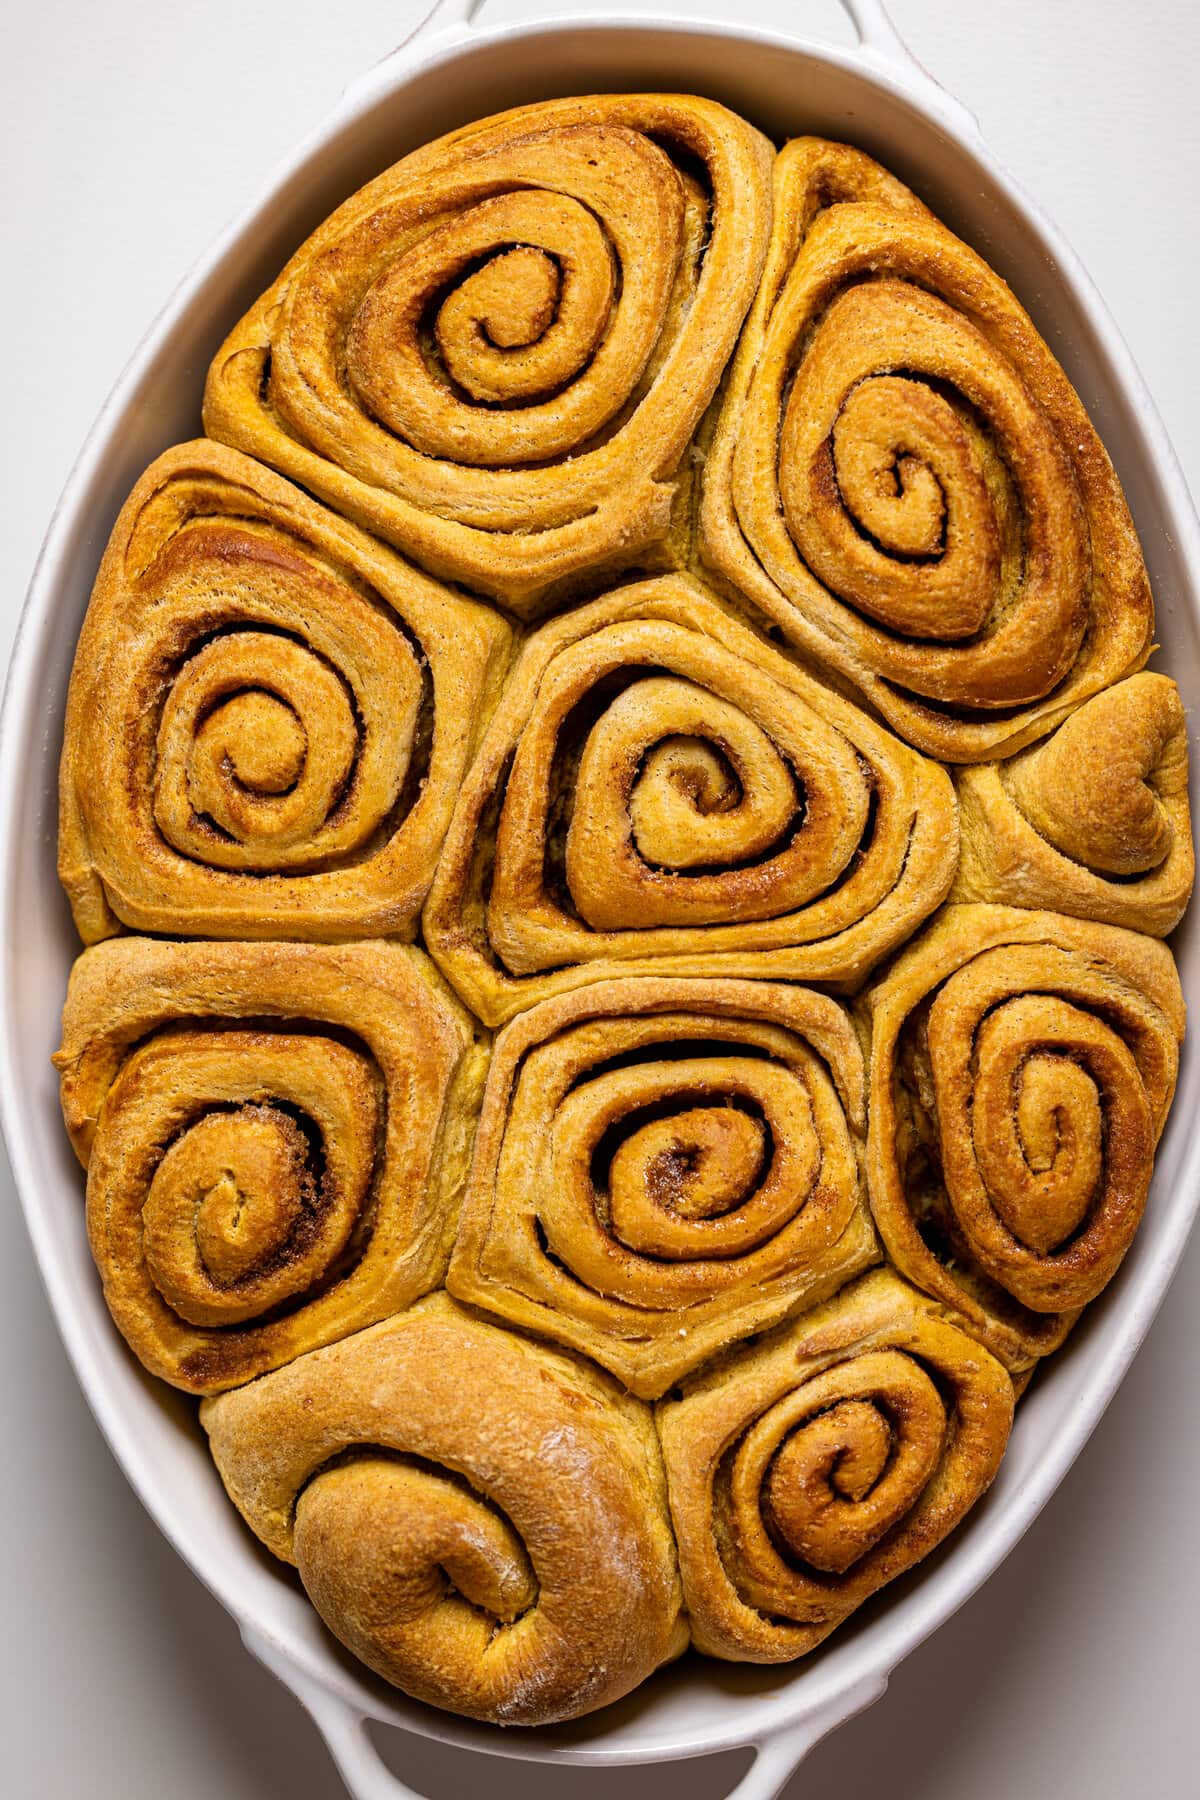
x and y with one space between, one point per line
1094 821
663 1165
495 354
1022 1066
275 1136
904 480
481 1519
661 791
268 719
809 1468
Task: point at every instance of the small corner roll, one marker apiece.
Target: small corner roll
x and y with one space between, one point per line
482 1520
269 716
1022 1067
905 481
495 355
811 1467
661 791
1093 821
665 1165
276 1138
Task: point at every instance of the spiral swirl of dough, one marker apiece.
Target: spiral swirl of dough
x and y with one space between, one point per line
496 353
661 791
906 482
1094 821
269 716
663 1165
276 1137
1022 1066
811 1467
481 1519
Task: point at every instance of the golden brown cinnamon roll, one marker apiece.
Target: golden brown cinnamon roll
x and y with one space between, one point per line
810 1467
661 791
481 1519
904 479
663 1165
1094 821
269 716
1022 1065
276 1137
495 354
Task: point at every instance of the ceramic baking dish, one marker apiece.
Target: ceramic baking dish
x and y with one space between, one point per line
449 72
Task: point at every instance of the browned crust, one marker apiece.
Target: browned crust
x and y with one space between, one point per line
395 1462
1073 613
214 556
137 1027
880 1358
525 533
864 900
544 1241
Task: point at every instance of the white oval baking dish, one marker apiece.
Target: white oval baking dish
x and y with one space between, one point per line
447 73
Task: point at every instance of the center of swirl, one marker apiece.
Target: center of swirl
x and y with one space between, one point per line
890 440
258 746
231 1193
260 738
250 1177
684 782
510 301
697 1165
692 809
837 1462
253 1153
487 340
1045 1187
431 1554
838 1456
700 1161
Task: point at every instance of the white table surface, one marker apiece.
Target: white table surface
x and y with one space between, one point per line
131 131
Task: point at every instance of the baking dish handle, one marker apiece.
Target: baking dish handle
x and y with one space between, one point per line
368 1777
777 1757
343 1726
878 41
441 15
